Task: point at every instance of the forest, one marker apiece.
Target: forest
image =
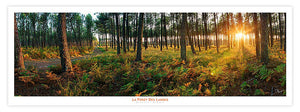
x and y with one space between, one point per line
150 54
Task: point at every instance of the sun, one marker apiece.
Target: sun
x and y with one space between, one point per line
239 35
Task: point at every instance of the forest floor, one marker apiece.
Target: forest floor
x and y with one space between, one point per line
44 64
231 72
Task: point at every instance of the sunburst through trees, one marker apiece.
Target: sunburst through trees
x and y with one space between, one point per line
150 54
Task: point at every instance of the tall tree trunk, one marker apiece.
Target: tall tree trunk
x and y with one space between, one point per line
165 31
28 34
284 48
280 31
118 33
145 33
105 33
256 31
177 20
227 25
140 36
190 38
136 32
264 38
19 61
161 31
34 34
75 37
205 29
182 38
79 35
124 33
63 48
216 31
146 39
99 39
127 32
271 31
113 32
173 30
197 32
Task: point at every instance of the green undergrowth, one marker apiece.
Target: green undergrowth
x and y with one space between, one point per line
163 73
231 72
53 52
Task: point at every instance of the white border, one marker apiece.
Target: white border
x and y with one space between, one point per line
187 100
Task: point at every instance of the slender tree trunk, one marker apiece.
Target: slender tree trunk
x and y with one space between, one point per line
161 31
284 48
146 39
127 32
28 34
197 32
182 38
63 48
124 33
256 31
177 20
264 38
216 31
271 31
118 33
34 34
173 30
140 36
171 37
112 39
99 39
227 24
205 29
19 61
136 31
190 39
79 35
105 33
165 31
280 31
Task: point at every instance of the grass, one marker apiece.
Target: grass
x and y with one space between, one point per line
231 72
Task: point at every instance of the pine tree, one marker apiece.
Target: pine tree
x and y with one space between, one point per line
140 36
63 48
19 61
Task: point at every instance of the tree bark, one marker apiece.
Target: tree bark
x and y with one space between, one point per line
197 32
136 32
118 33
271 31
216 31
284 48
256 31
63 48
161 31
19 61
280 31
204 17
140 36
264 38
228 37
127 32
124 33
190 38
182 38
165 31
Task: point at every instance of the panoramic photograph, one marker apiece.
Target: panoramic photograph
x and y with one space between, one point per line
149 54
